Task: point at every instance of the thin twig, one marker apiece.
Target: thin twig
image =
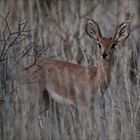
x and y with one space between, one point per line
133 67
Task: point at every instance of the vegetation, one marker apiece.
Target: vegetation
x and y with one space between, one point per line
30 29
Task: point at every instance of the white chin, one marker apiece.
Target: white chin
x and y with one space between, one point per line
105 59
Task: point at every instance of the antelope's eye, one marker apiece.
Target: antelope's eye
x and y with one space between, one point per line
99 45
113 46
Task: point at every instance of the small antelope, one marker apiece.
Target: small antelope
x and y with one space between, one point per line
69 83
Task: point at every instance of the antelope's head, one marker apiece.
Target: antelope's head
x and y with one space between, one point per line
107 45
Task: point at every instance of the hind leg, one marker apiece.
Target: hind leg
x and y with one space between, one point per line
44 102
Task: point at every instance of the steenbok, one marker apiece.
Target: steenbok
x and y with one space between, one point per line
74 84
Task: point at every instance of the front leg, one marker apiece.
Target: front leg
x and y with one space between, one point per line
102 106
89 122
103 120
44 102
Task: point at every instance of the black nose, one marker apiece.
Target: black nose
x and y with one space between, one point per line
104 55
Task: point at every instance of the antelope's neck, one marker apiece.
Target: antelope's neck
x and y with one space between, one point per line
104 74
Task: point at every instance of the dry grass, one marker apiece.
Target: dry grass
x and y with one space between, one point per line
58 32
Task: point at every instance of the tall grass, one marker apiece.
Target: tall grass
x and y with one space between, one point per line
56 29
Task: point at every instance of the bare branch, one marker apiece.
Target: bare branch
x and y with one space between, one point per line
18 36
6 17
34 62
133 67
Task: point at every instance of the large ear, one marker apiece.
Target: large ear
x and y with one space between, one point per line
93 30
122 31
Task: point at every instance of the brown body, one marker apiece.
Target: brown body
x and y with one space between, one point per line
68 80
